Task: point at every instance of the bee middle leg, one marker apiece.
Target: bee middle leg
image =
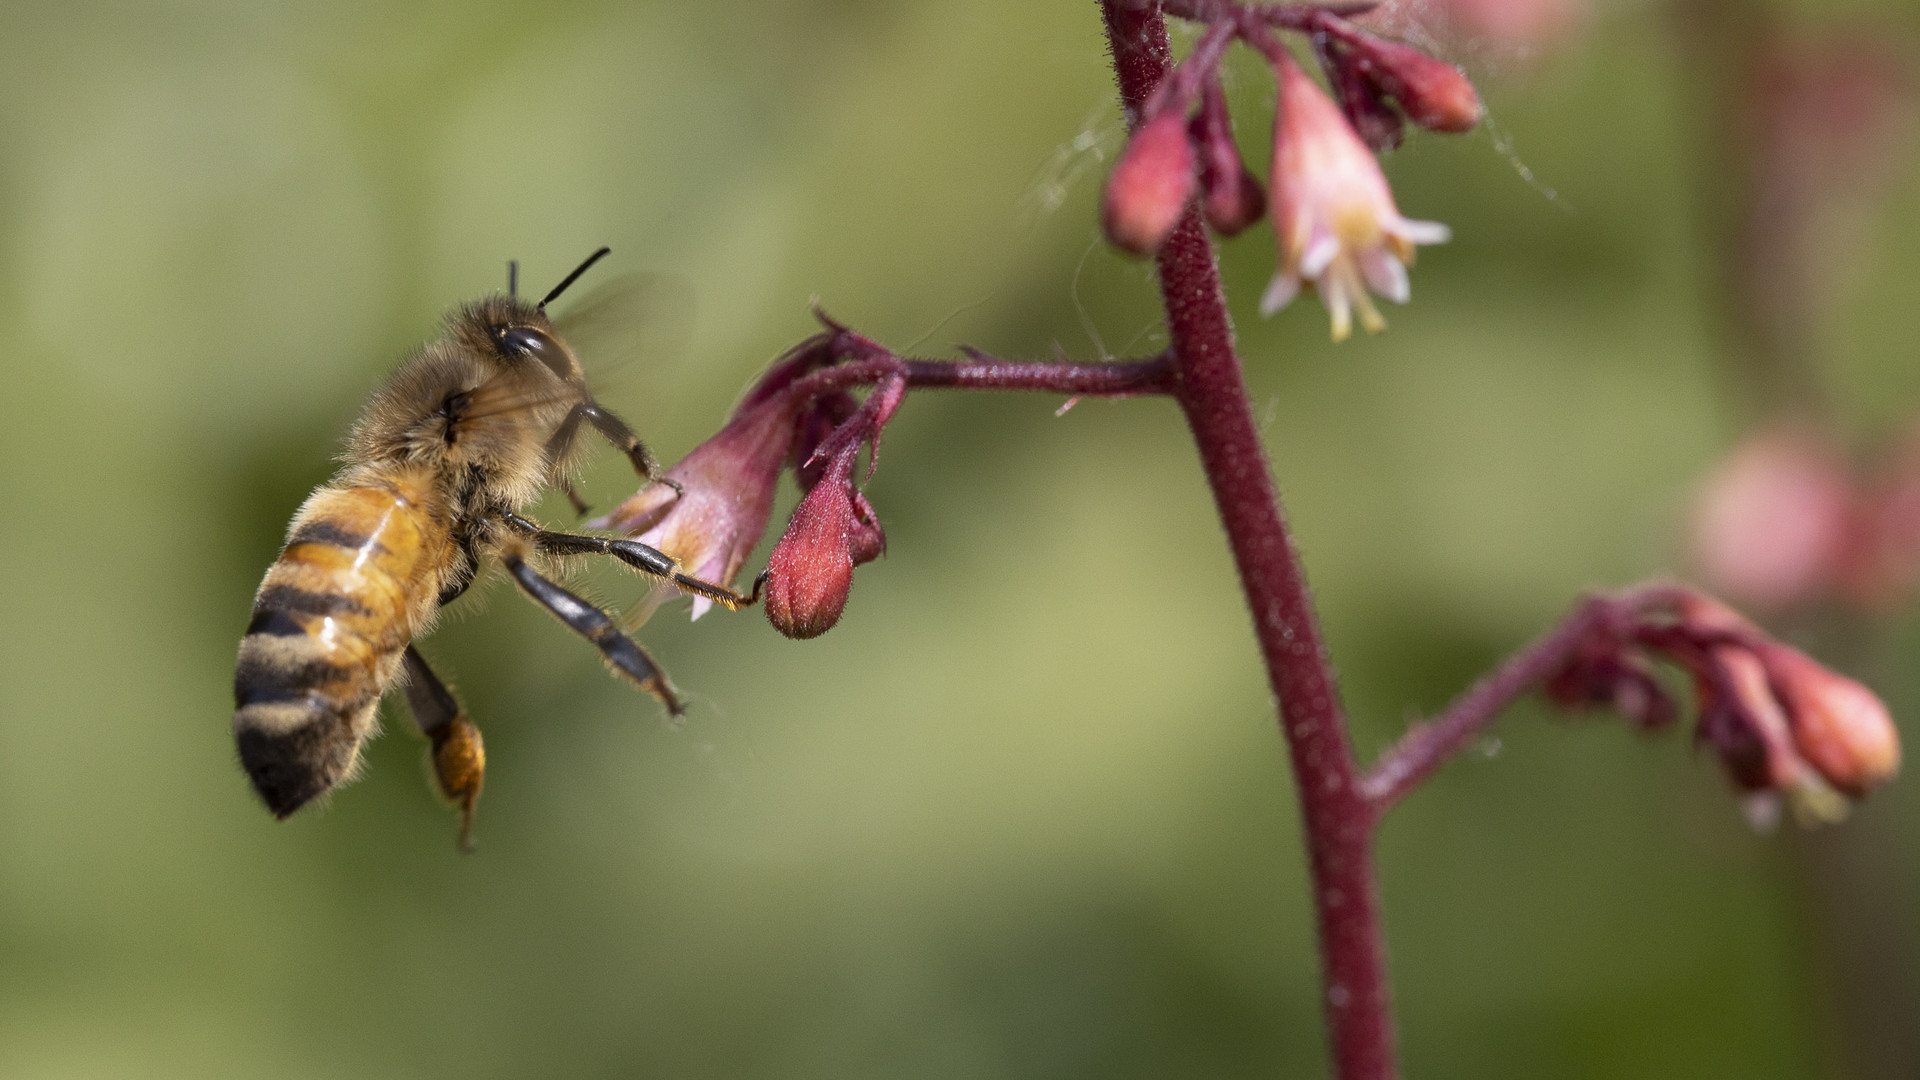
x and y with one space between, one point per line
625 654
459 755
646 559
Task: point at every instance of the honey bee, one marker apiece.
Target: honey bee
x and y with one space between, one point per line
467 432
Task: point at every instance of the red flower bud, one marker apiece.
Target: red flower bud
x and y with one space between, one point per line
1838 725
810 571
1231 196
1151 184
1433 93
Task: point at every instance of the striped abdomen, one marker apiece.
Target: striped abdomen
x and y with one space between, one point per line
329 625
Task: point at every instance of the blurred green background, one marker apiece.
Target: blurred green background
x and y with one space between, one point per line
1024 812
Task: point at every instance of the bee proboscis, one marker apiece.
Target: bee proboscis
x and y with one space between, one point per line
463 436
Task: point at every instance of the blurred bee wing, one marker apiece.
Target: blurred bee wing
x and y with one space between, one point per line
634 318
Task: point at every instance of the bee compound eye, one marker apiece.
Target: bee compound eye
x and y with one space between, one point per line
528 341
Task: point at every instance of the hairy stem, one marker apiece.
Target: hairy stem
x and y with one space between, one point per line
1426 747
1338 819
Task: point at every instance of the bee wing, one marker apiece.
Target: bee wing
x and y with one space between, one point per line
634 318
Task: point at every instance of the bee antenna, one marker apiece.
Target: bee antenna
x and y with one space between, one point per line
573 277
513 279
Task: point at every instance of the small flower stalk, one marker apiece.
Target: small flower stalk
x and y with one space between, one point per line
1784 726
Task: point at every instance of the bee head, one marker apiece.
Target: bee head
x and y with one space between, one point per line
530 335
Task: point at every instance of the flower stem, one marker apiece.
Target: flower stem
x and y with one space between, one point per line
1207 382
1426 747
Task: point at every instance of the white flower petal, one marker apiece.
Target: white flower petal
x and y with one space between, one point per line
1420 232
1386 274
701 605
1280 292
1320 253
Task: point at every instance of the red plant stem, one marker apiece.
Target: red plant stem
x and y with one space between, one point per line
1337 818
982 372
1426 747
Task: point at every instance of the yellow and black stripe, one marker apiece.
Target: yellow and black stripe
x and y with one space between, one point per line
330 623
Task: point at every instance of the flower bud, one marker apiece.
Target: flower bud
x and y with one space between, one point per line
1433 93
1838 725
810 571
1230 194
1151 184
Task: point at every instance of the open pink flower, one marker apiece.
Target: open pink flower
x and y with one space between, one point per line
1334 216
713 514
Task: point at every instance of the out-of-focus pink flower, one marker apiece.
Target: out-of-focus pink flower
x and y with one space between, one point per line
1498 29
1827 126
1882 566
1772 521
1151 184
1333 213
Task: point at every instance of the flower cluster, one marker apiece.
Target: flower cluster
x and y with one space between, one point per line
712 509
1783 725
1338 228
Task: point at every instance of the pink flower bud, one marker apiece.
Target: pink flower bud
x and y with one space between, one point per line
810 572
1433 93
1151 184
1772 520
1838 725
1230 194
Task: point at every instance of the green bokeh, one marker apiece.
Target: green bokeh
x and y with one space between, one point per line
1024 812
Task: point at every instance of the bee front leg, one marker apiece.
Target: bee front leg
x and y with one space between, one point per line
619 434
642 557
626 655
459 756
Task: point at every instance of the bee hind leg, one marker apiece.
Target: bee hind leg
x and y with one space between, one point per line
625 654
459 756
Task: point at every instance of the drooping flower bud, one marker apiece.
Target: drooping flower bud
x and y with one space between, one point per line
1230 194
1433 93
1838 725
1772 522
1151 184
810 573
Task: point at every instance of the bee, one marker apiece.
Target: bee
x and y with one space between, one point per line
464 435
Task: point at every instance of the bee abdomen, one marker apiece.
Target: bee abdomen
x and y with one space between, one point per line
328 628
